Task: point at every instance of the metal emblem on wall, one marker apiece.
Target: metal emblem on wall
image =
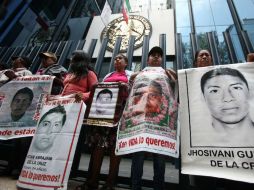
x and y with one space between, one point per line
42 36
137 26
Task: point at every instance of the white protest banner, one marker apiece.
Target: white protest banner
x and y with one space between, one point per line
19 104
149 121
105 107
216 116
49 159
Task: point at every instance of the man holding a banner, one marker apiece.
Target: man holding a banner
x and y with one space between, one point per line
149 120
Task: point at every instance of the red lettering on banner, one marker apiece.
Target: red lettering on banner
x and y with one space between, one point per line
122 144
40 177
133 141
33 78
24 174
24 132
59 102
6 133
162 143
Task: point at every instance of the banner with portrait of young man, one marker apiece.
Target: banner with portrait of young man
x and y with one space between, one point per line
106 104
149 120
50 156
20 100
216 116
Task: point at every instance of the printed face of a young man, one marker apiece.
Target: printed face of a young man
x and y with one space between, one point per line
102 102
227 98
20 104
47 130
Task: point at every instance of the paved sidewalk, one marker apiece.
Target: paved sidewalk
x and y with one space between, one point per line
6 183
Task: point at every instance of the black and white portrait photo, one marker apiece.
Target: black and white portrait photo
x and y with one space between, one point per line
104 103
219 106
19 102
50 124
54 143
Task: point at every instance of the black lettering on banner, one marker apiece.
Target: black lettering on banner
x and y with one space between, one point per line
216 163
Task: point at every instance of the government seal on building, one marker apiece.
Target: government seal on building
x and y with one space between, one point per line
137 26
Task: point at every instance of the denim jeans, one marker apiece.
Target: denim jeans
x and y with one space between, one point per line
137 171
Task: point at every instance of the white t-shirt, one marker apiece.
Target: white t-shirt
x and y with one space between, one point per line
19 72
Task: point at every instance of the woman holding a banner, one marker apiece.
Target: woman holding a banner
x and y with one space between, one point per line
250 57
104 138
20 66
203 58
20 102
81 78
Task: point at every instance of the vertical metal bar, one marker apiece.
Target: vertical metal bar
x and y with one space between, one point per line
238 26
32 53
115 52
59 48
64 53
230 47
130 51
179 51
247 41
92 47
213 48
14 53
162 43
51 46
100 57
2 51
80 44
25 50
17 51
36 61
145 50
7 55
192 21
194 46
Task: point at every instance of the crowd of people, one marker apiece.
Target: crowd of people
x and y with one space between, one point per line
78 82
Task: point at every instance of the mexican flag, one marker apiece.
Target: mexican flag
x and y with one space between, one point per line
126 9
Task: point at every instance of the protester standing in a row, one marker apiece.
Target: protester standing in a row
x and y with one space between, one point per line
103 139
81 77
148 93
49 66
250 57
203 58
20 66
